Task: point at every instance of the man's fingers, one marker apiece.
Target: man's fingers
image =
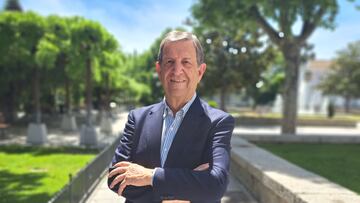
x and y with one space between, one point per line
117 180
122 186
118 170
122 164
202 167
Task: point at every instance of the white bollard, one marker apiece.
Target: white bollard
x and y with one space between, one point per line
36 134
88 136
68 123
106 125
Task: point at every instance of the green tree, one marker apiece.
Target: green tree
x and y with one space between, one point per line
59 36
34 49
131 86
89 40
344 78
45 58
270 83
112 78
150 77
234 61
20 36
277 19
11 68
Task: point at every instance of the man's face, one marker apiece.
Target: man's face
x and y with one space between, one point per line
179 72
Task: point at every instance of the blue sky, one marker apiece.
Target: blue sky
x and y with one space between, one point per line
137 23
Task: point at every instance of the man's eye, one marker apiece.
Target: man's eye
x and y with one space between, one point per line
169 62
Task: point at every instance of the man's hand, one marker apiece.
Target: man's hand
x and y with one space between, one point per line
130 174
201 167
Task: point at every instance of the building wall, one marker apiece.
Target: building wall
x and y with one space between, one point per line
311 99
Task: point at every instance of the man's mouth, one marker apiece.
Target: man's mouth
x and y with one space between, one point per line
177 81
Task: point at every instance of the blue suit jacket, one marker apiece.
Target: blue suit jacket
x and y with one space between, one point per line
203 137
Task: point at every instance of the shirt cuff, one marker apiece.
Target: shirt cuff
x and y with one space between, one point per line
153 175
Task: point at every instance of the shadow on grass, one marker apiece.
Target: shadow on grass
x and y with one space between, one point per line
14 186
38 151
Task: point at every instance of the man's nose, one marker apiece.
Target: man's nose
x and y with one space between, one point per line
178 68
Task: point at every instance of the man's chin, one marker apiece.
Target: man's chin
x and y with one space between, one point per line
177 89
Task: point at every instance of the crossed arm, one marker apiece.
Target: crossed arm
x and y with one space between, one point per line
137 175
206 182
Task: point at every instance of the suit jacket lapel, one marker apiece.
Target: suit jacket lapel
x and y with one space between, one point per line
154 131
185 132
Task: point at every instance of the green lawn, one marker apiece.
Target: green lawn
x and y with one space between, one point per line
339 163
35 174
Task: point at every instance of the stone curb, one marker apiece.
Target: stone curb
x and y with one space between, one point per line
264 121
338 139
274 180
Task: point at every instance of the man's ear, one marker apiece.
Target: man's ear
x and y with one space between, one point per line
202 69
157 67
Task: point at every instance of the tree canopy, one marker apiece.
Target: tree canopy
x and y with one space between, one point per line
277 19
58 49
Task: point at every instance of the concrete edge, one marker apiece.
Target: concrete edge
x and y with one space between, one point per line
275 138
272 179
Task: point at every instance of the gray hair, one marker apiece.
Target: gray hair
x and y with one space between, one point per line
174 36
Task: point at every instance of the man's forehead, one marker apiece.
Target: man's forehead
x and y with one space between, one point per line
184 46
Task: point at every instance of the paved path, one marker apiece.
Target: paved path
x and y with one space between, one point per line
306 130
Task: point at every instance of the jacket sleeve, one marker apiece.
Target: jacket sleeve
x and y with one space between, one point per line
208 185
123 153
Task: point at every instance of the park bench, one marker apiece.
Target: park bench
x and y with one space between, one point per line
3 127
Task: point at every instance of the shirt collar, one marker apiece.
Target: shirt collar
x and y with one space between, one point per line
182 111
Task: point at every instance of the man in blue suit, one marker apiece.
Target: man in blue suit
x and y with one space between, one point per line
177 150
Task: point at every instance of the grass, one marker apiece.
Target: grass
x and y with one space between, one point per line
35 174
339 163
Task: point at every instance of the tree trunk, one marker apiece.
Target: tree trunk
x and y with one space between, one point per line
67 96
347 104
223 98
88 92
292 58
107 96
37 96
8 104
